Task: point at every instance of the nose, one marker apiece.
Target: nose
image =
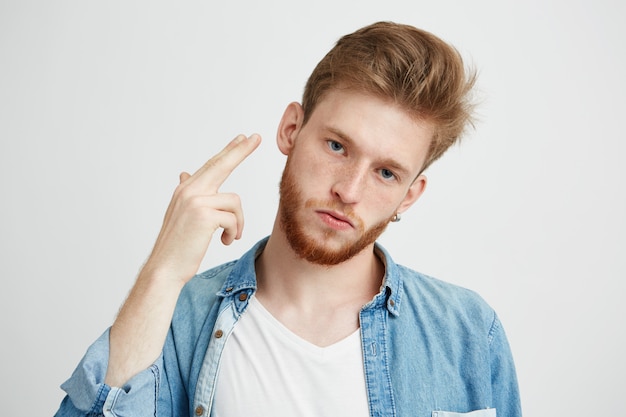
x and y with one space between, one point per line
350 183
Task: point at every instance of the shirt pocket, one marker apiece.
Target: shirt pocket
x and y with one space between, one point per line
487 412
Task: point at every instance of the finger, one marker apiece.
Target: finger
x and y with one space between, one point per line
234 142
184 176
229 223
215 171
227 237
229 203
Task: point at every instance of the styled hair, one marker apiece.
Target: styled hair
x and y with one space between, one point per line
409 67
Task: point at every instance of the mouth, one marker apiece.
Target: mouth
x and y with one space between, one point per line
335 219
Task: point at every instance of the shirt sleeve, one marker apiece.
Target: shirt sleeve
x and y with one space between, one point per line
504 385
88 395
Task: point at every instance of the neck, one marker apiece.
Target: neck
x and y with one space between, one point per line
318 303
284 277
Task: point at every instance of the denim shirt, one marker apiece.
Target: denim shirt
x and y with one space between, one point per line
430 349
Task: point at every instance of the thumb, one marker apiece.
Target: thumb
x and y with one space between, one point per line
184 176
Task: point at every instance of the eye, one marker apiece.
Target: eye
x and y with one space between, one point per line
335 146
386 174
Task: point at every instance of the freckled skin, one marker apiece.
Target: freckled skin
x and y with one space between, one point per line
357 159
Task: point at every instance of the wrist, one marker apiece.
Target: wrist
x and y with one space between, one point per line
162 275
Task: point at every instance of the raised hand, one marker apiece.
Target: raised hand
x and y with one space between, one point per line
197 210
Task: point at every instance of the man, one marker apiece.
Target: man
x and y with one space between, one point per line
317 319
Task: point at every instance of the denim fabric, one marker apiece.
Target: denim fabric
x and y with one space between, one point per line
429 349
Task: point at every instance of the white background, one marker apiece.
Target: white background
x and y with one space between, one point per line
102 104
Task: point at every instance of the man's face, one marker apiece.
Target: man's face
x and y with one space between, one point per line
350 169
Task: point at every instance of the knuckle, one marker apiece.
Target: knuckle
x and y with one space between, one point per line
181 191
210 164
195 203
235 199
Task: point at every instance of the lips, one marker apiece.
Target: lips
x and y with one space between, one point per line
338 218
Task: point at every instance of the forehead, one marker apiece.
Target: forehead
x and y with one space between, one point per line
374 125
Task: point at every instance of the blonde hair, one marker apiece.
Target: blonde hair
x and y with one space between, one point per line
408 66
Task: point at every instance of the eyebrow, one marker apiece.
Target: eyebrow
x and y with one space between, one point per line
386 162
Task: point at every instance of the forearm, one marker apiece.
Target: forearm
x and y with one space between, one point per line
138 334
196 211
125 366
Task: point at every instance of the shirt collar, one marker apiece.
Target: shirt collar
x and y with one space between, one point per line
243 277
243 274
390 293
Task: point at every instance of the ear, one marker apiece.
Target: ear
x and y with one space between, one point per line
415 191
289 127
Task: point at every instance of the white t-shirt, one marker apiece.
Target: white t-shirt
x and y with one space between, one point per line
267 370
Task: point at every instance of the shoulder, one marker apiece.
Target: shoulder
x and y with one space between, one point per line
438 290
204 287
428 296
443 301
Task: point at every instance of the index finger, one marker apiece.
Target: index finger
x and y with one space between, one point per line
215 171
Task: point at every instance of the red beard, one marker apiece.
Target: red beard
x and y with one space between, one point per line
307 247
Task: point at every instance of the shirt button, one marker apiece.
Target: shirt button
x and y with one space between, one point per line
391 302
218 334
229 289
199 410
243 296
